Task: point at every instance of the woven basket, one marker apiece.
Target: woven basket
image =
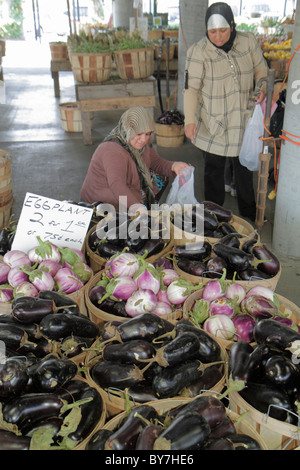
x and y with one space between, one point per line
59 50
97 263
100 317
115 399
277 435
169 135
163 406
242 227
287 307
135 63
91 68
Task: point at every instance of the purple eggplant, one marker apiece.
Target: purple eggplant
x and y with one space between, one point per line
215 267
238 360
222 214
272 265
272 332
59 326
243 442
98 439
252 274
188 430
209 348
231 239
270 400
125 437
210 377
193 267
208 406
131 352
13 377
279 370
108 374
244 325
235 258
11 441
148 436
51 373
198 251
258 306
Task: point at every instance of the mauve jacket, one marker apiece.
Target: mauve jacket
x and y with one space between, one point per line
113 173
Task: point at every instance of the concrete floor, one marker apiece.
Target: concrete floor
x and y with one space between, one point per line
50 162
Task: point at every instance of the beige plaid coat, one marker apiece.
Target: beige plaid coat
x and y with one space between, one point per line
219 87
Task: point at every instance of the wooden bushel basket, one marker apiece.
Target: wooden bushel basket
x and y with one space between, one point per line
91 68
6 191
115 400
286 307
70 117
135 63
59 50
244 228
163 406
169 135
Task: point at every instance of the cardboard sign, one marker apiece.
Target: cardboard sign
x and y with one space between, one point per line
62 223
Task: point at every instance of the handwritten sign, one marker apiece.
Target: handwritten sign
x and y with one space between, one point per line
62 223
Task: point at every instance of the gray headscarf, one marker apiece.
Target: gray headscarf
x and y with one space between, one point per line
136 120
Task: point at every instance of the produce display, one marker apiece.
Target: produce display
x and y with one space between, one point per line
228 258
44 402
189 325
202 424
129 286
230 312
277 50
153 358
119 232
44 267
268 373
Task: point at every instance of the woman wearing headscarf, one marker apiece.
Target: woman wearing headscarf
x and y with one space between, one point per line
222 70
120 166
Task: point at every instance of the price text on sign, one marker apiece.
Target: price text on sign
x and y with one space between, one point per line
62 223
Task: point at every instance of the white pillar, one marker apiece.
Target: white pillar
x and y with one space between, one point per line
286 233
122 12
191 30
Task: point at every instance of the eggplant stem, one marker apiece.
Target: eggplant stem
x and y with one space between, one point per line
171 334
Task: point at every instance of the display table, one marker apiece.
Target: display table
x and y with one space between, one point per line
56 67
112 95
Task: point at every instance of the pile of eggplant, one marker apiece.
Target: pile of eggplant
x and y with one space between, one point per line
267 374
44 267
40 391
143 235
230 312
152 358
201 424
50 323
250 260
129 285
214 221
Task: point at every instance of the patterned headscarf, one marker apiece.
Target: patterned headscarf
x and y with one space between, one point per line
136 120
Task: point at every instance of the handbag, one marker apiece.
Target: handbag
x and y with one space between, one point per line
252 145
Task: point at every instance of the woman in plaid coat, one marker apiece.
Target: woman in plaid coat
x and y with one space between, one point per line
222 70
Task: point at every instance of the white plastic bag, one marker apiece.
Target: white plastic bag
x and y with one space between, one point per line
182 189
252 144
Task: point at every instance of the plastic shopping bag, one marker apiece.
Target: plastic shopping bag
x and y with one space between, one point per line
182 189
252 144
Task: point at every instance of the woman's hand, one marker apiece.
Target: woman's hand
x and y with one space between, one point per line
190 131
178 166
260 97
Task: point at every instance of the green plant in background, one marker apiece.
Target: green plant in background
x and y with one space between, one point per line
98 42
13 30
247 27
